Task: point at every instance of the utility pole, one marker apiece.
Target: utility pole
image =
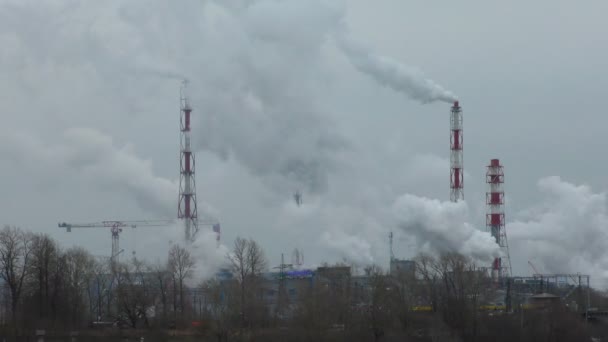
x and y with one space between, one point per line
390 241
282 295
508 295
588 300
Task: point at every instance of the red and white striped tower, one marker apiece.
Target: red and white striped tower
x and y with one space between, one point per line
186 208
456 161
495 218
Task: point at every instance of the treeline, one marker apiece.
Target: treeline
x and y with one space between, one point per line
47 287
44 286
441 299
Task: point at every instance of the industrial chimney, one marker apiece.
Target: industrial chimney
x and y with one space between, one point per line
456 161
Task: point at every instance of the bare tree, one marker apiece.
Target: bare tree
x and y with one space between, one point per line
381 300
238 259
75 274
134 293
248 262
454 286
15 253
404 283
99 289
181 265
219 306
255 258
43 266
429 280
162 280
55 284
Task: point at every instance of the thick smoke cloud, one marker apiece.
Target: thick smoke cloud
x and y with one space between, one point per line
349 247
204 250
402 78
443 227
259 73
565 233
209 256
94 158
93 155
254 96
264 113
261 109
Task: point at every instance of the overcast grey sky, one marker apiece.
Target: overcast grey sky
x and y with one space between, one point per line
89 102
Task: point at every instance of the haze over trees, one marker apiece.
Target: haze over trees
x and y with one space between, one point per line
45 286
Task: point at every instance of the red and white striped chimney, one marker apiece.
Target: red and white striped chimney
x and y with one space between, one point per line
186 208
456 160
495 218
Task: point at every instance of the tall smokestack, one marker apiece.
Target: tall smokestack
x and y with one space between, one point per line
186 208
456 161
495 218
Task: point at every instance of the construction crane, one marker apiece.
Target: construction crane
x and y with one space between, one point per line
533 268
116 228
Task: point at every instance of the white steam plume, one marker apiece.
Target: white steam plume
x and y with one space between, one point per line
390 73
565 233
93 155
257 108
443 227
261 111
353 248
209 256
261 99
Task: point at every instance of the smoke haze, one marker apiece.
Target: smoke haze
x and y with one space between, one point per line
565 233
262 111
443 227
260 106
93 155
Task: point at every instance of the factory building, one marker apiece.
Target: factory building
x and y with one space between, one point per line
402 267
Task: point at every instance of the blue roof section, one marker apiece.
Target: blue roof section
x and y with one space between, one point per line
224 274
291 274
300 274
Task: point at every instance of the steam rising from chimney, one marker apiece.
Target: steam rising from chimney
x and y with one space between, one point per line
390 73
443 227
566 232
256 110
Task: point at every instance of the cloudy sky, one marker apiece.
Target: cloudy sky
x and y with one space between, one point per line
341 100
